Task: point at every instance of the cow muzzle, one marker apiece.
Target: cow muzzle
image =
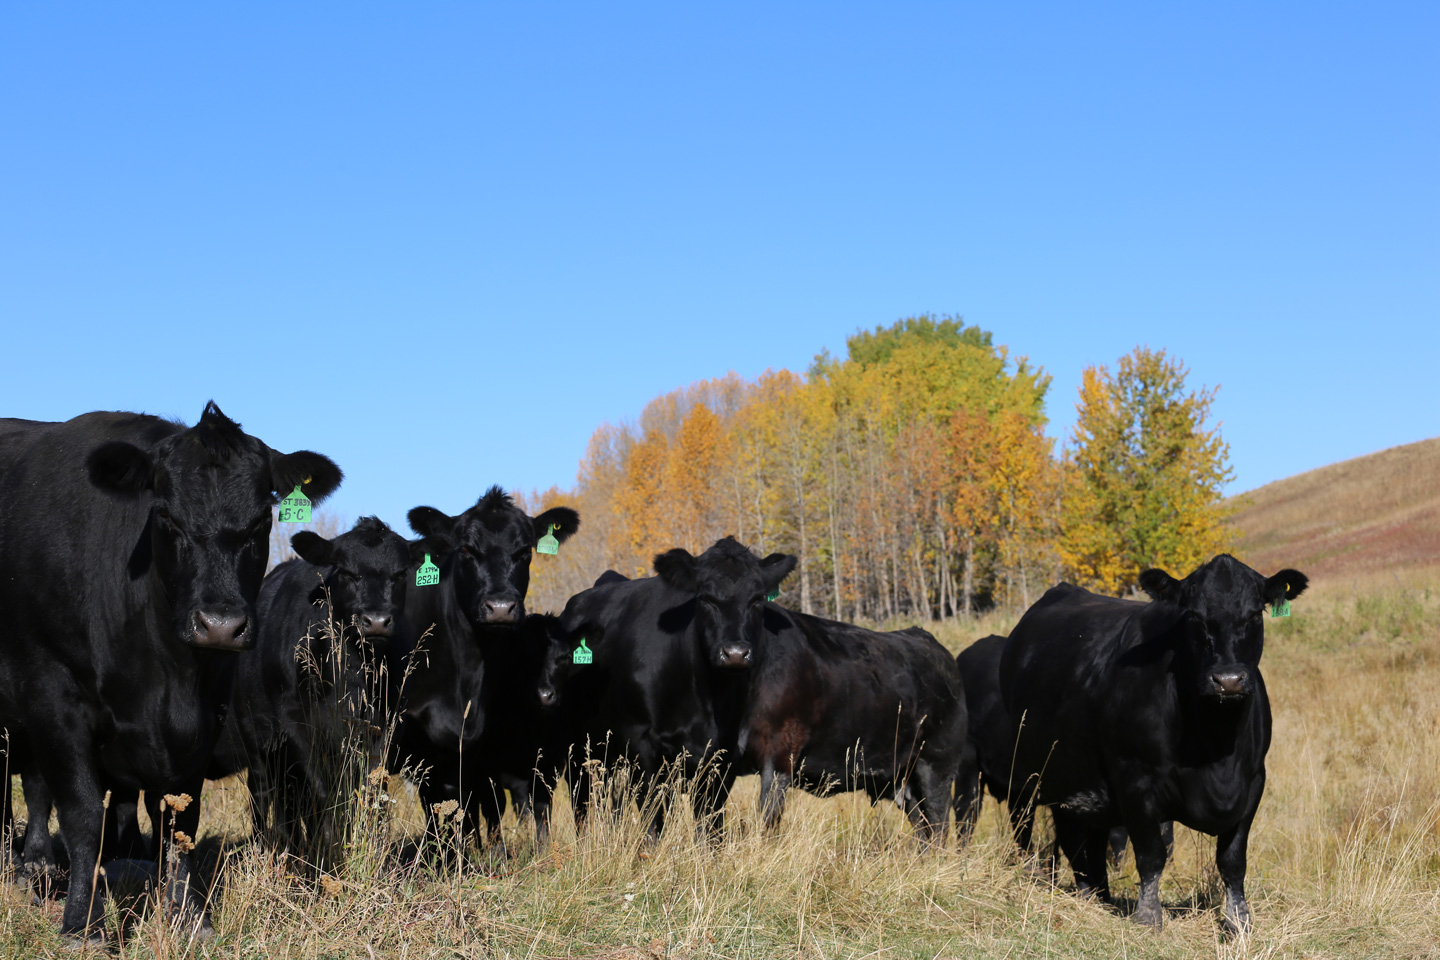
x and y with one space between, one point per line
1230 683
499 610
376 626
221 629
735 656
546 695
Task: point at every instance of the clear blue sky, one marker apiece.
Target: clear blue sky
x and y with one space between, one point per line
443 242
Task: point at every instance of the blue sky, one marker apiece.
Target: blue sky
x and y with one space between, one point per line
443 242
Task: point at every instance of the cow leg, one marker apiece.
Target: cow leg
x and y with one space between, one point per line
123 838
491 799
1118 838
969 795
541 796
1085 848
709 805
773 786
1230 851
177 831
79 803
262 799
1149 844
37 854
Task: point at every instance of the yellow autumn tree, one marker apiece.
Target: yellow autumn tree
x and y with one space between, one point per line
1143 479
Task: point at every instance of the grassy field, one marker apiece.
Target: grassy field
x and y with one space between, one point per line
1344 857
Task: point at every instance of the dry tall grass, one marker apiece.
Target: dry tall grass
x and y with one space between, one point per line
1344 857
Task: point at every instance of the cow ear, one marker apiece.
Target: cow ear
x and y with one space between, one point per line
1160 586
677 568
429 522
564 520
313 548
1285 585
776 568
419 548
315 474
121 468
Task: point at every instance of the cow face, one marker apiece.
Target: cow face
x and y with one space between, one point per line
1222 627
211 491
552 651
367 570
489 548
729 584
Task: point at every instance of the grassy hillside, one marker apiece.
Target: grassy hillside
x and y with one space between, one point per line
1352 522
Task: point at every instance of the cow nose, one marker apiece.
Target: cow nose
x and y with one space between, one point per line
500 611
376 624
1230 682
547 696
735 655
220 629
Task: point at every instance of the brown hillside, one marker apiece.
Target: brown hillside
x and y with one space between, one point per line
1377 515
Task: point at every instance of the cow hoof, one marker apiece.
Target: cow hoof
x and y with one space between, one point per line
1235 921
1149 914
78 943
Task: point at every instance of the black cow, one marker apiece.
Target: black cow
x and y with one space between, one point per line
523 748
990 747
837 707
303 702
131 552
1140 713
470 616
990 751
668 685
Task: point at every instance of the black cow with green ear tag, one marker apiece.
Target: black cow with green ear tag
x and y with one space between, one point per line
1131 714
474 615
671 669
323 682
134 546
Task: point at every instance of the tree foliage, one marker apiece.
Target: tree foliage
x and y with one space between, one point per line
913 478
1144 476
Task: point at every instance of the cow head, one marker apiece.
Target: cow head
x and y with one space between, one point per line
489 548
550 652
211 490
1222 625
729 584
366 572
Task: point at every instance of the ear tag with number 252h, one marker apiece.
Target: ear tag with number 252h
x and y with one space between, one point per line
583 653
548 544
295 508
428 575
774 594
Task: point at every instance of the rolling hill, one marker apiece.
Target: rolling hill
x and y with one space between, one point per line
1349 522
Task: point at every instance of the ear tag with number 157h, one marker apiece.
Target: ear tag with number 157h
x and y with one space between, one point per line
295 508
582 654
548 543
428 575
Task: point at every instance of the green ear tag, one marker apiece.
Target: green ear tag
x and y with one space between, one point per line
1281 609
428 575
295 508
774 594
582 654
548 544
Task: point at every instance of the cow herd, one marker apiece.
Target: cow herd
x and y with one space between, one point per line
144 650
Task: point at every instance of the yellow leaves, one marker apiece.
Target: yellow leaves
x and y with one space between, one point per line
1144 483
